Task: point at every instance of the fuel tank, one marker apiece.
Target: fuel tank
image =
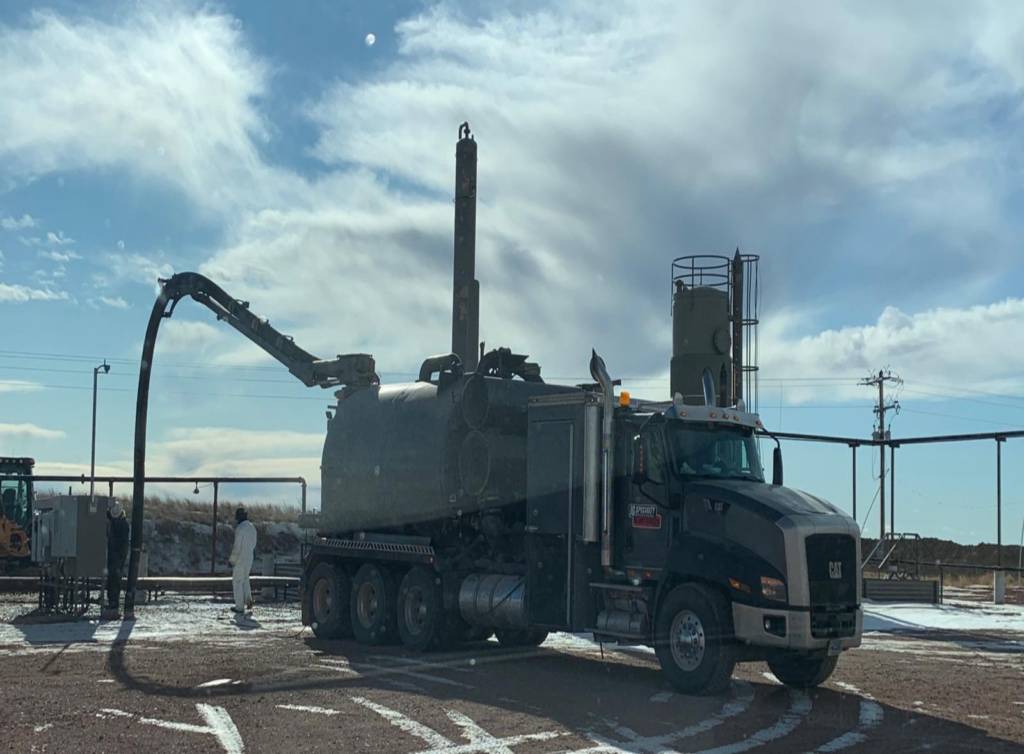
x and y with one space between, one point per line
423 451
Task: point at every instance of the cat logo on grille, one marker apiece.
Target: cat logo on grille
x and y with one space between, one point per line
835 569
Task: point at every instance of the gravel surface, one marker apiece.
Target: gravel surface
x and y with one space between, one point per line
186 677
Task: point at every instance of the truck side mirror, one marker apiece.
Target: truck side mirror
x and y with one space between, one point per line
777 466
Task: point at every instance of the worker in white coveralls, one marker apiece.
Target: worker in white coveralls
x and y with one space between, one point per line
241 560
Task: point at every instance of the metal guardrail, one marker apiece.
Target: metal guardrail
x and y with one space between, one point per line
12 584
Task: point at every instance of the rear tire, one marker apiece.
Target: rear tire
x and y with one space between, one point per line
693 640
327 602
803 671
421 615
373 607
520 637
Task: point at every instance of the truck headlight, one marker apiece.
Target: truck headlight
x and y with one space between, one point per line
773 589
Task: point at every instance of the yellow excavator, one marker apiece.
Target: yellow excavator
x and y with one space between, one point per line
15 511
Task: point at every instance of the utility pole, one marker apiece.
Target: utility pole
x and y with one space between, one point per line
105 368
881 434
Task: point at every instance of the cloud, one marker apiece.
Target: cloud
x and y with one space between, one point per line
16 223
60 256
193 337
612 139
114 302
945 348
214 451
28 431
18 386
166 93
22 293
132 268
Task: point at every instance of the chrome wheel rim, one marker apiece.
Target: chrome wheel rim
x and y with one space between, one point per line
687 640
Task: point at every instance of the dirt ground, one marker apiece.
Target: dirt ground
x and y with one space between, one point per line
186 677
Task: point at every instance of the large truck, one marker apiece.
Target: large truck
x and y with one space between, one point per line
480 500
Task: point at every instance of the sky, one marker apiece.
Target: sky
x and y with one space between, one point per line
868 152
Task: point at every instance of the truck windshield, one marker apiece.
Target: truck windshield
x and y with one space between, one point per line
713 451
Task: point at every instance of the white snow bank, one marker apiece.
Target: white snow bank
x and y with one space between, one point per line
954 615
169 619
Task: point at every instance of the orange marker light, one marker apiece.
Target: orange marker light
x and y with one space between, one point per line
624 399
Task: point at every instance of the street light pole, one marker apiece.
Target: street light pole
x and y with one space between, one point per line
105 368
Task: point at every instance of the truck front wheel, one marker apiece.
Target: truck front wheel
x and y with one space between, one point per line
803 671
693 641
421 614
373 605
327 599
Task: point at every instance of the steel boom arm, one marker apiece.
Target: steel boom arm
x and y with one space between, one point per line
351 369
348 369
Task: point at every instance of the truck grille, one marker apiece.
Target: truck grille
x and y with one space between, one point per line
832 568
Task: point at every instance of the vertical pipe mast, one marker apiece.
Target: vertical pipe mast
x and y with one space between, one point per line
737 329
466 289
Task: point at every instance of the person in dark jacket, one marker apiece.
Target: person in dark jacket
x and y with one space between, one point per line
117 551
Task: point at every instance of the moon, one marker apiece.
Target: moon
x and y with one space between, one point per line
370 39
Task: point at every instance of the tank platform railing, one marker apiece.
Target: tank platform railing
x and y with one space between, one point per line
702 271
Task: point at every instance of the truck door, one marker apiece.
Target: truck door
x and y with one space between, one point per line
551 484
646 519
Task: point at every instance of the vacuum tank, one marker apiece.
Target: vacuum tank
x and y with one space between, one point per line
410 453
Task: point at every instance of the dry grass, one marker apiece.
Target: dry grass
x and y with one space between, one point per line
166 508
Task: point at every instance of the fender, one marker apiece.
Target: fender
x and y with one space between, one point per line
713 561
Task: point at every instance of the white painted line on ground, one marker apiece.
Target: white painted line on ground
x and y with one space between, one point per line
798 710
218 724
336 668
633 742
664 696
223 726
482 741
479 740
217 682
871 714
307 708
401 668
405 724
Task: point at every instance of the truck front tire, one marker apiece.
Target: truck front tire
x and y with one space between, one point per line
803 671
693 640
327 603
373 607
421 615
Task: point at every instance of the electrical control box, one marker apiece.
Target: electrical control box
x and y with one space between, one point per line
70 531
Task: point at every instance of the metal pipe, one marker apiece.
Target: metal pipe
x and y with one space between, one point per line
737 329
465 288
139 480
600 373
303 495
213 546
999 502
854 449
591 472
92 459
892 490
